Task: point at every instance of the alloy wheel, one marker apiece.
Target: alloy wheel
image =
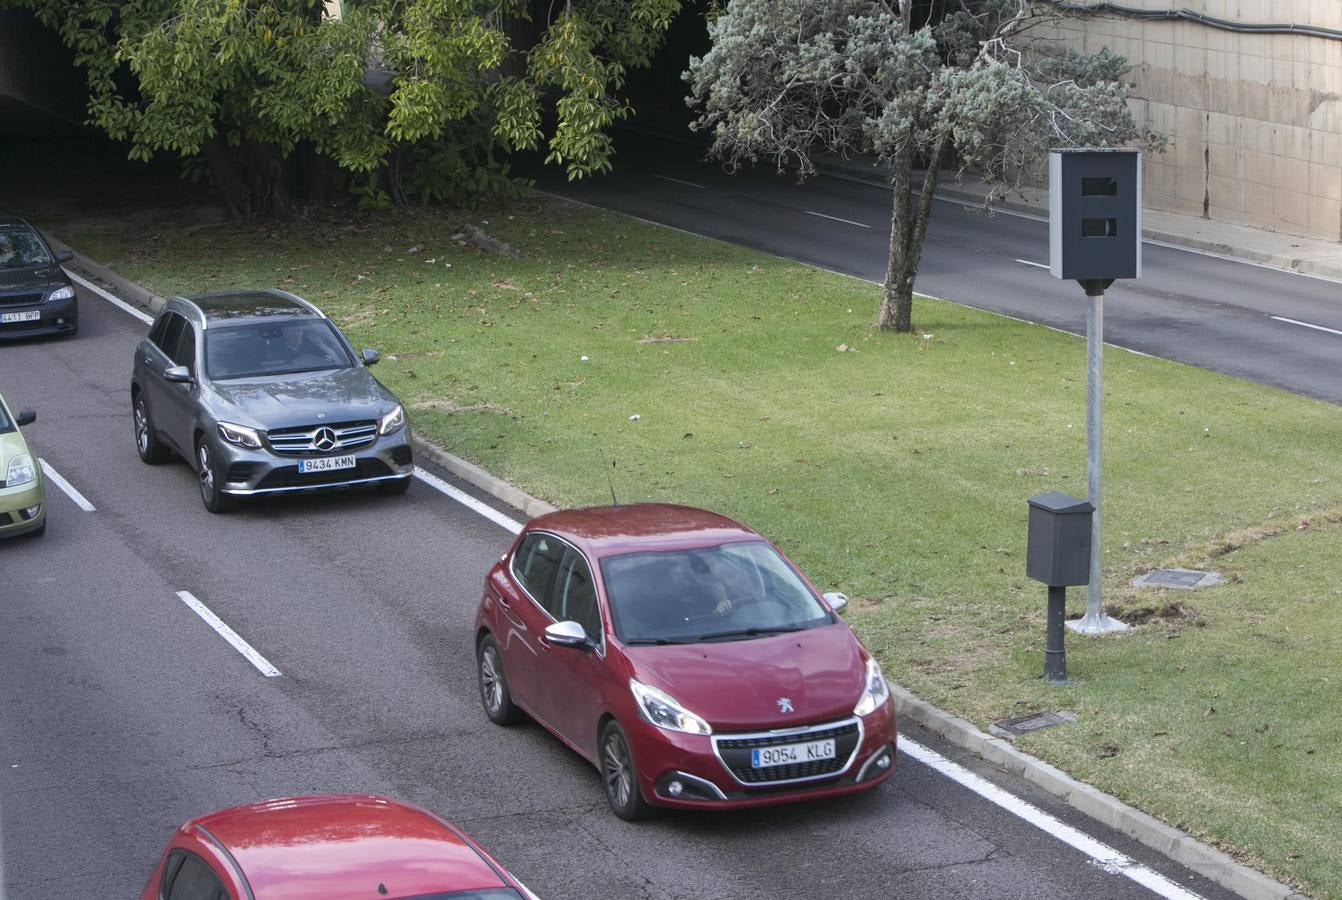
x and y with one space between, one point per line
206 472
491 681
141 428
618 771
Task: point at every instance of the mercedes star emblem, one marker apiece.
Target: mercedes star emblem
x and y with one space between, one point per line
324 439
785 705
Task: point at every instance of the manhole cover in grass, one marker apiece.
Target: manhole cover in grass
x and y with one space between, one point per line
1180 579
1031 722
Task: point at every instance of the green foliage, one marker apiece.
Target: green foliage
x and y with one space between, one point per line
246 82
369 195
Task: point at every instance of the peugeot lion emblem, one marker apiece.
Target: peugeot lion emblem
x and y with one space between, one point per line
324 439
785 705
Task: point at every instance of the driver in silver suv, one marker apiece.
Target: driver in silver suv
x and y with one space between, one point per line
262 394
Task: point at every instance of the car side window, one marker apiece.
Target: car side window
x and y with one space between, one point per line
157 329
170 333
188 877
185 352
575 595
536 563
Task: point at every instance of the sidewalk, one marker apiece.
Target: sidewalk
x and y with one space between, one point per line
1284 251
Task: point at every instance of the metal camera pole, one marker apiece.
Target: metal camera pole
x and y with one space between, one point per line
1095 621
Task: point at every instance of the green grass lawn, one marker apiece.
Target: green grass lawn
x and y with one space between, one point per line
894 468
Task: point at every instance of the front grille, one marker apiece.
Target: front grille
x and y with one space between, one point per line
20 299
303 441
289 476
736 756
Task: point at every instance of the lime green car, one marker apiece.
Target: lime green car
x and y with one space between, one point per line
23 508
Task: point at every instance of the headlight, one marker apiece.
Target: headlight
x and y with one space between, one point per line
64 293
243 437
876 691
21 470
391 421
662 710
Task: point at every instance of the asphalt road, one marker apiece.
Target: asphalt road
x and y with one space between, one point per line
122 713
1205 311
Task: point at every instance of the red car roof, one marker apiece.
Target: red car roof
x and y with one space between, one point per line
324 848
611 530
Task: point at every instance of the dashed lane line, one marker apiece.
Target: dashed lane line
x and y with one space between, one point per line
1305 324
820 215
55 477
467 500
247 650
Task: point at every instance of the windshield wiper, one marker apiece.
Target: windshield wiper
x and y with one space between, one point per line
751 632
658 642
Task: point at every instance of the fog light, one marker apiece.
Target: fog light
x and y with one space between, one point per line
675 789
60 321
884 762
31 512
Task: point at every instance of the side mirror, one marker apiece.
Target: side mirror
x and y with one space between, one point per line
567 634
25 417
178 375
837 602
64 256
370 356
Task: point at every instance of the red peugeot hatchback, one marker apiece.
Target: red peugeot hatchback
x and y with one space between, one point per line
684 656
326 848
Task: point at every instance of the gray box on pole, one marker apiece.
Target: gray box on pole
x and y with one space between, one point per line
1095 214
1058 542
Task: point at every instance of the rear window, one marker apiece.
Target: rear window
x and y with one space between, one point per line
20 246
273 348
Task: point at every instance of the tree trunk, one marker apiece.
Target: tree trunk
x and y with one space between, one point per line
897 292
228 179
908 228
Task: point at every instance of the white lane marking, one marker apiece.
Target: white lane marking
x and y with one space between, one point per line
1026 262
137 313
80 500
835 219
678 181
467 500
262 664
1103 856
1305 324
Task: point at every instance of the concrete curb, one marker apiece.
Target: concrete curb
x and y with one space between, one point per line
1165 839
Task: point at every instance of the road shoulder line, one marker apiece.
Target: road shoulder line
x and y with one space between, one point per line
1159 836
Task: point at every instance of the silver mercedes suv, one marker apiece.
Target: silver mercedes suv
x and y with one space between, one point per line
262 394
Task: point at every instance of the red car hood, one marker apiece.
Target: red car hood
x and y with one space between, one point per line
738 685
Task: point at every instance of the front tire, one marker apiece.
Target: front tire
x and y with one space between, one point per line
211 481
147 444
494 694
619 776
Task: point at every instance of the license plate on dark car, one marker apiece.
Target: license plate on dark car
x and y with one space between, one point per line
326 464
791 754
31 315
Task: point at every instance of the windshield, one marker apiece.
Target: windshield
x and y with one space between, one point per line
5 425
729 592
20 246
273 348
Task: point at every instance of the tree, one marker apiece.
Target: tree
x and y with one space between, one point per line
785 79
244 84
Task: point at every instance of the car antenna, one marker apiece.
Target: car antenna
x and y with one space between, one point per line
610 484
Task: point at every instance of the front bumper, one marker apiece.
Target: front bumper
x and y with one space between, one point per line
685 770
58 317
13 502
250 473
